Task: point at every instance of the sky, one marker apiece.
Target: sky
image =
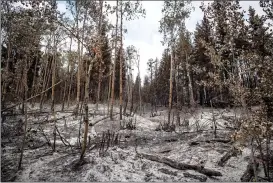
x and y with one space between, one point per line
143 32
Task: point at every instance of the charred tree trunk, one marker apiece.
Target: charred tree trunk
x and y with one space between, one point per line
70 86
132 105
126 103
130 85
64 92
79 62
177 96
67 77
25 127
171 89
34 83
114 65
99 56
139 87
53 97
192 103
109 92
47 73
86 98
121 66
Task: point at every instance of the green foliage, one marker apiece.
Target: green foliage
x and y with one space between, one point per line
174 14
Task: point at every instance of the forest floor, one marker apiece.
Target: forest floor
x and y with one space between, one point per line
119 162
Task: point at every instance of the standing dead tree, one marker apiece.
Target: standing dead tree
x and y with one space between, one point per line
113 68
86 99
99 52
121 63
79 58
26 120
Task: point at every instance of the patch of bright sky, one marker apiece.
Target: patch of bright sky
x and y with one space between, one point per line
143 32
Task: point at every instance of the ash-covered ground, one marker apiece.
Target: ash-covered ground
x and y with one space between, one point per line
120 161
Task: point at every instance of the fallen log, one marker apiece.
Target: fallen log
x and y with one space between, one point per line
171 140
65 111
249 172
51 120
92 124
202 178
165 151
209 141
64 141
181 166
227 156
166 171
29 113
37 146
221 140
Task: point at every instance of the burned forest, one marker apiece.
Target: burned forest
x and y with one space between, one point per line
172 91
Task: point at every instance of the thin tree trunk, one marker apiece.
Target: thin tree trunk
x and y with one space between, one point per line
86 98
114 65
79 62
171 89
46 74
151 90
67 77
85 132
110 82
109 91
21 87
52 95
177 96
253 160
268 153
64 92
34 83
121 65
46 85
99 87
17 85
127 95
131 90
48 79
213 120
156 84
25 127
70 85
99 56
139 87
126 104
192 103
132 106
54 64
